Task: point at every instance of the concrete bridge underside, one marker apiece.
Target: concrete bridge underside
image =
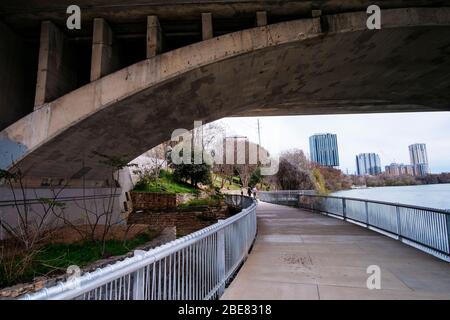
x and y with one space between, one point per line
304 255
326 65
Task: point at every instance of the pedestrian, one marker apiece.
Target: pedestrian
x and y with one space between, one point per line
254 190
249 191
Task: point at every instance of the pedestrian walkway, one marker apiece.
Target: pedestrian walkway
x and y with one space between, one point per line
304 255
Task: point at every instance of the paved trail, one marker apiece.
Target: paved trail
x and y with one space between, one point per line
303 255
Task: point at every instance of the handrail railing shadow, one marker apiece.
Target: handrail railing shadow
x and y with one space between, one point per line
197 266
426 229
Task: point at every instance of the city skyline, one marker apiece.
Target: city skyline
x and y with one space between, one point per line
368 164
388 135
323 149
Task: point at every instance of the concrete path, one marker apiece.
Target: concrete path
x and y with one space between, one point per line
303 255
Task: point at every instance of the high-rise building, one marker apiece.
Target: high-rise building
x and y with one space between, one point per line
324 149
399 169
368 164
419 158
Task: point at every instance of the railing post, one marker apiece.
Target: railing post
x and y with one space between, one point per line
399 226
367 213
221 258
138 280
344 209
448 231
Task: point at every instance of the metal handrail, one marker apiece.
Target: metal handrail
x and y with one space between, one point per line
427 229
411 206
197 266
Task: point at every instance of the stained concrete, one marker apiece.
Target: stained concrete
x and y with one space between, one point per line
56 73
181 15
286 68
104 50
304 255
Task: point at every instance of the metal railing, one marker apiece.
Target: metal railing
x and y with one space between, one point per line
284 197
197 266
424 228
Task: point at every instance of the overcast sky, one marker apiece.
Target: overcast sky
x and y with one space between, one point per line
386 134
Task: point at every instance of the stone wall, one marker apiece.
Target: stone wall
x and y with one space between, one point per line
186 220
160 200
153 200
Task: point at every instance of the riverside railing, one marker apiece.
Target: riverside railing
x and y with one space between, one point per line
424 228
197 266
284 197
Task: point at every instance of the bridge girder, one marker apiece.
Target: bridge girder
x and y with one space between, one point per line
294 67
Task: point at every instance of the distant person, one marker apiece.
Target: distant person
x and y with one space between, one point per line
254 190
249 191
242 192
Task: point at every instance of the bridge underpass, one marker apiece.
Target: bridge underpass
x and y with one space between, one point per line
327 64
299 254
319 60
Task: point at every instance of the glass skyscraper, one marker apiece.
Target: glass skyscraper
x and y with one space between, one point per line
324 149
368 163
419 158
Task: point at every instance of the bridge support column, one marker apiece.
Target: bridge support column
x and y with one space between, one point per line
261 18
17 58
105 58
154 36
56 73
207 27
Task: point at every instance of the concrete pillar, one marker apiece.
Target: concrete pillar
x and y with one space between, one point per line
56 75
104 50
154 37
207 27
261 18
17 83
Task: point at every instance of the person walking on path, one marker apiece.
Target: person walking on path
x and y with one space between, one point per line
249 191
254 190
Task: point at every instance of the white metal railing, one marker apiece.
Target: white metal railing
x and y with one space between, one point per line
285 197
197 266
424 228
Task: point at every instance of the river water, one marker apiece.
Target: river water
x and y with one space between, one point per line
431 195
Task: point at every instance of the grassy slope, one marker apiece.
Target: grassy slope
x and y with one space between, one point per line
166 183
55 258
218 182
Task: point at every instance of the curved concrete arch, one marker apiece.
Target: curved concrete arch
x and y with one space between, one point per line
299 67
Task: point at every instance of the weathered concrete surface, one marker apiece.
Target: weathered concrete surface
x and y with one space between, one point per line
304 255
154 37
104 50
287 68
56 74
182 15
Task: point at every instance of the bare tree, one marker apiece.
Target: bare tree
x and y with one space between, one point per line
34 216
99 211
294 171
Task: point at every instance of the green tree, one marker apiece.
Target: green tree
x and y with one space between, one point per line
192 173
256 177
